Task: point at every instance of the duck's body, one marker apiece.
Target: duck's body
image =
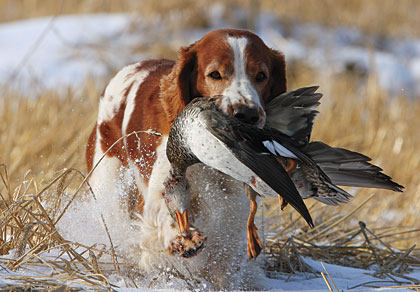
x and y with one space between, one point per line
197 132
267 160
202 133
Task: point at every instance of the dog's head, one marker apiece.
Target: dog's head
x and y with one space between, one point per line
236 64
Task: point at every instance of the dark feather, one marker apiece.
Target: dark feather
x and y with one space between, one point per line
349 168
252 153
293 113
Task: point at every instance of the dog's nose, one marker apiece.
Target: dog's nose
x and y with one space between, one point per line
246 114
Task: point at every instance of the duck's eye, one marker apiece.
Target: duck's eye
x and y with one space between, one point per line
215 75
260 77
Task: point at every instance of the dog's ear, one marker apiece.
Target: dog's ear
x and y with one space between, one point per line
179 87
187 73
278 81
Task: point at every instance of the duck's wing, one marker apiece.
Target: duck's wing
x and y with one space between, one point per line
293 113
349 168
246 143
336 195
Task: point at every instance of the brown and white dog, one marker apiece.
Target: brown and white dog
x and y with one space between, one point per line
149 95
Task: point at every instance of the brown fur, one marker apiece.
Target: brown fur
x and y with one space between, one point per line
90 149
171 85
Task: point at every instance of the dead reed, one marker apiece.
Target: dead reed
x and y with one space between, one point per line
392 18
382 127
42 148
43 133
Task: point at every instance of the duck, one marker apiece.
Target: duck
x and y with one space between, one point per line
278 160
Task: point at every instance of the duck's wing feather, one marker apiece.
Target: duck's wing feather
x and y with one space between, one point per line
293 113
246 144
349 168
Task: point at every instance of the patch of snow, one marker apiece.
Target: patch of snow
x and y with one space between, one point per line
344 278
75 46
395 61
62 51
80 45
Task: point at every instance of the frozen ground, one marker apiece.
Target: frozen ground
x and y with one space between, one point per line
82 223
345 279
50 52
54 52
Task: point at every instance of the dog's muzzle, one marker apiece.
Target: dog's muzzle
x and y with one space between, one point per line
252 115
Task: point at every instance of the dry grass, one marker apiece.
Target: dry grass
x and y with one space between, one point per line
378 17
43 133
33 245
391 17
47 132
364 119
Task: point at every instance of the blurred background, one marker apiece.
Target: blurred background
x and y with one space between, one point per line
56 57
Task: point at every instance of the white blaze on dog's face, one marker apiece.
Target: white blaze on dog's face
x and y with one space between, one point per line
239 66
241 93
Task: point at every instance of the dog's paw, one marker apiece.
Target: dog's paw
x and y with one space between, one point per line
187 246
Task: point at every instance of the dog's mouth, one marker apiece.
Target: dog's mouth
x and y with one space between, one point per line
252 115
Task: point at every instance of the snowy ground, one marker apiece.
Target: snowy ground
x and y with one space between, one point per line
62 51
344 278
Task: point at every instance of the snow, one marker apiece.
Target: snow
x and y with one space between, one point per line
62 51
52 52
395 61
83 223
344 278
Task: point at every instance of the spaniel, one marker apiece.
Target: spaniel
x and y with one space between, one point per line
148 96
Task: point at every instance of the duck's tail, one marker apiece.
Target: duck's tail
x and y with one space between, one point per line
348 168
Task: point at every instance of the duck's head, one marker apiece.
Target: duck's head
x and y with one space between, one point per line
177 197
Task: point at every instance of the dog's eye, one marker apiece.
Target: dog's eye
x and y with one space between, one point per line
215 75
260 77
